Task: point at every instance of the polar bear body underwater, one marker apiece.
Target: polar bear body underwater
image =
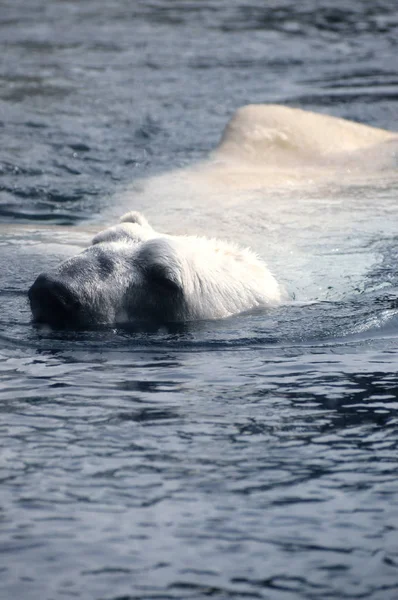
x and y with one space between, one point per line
131 272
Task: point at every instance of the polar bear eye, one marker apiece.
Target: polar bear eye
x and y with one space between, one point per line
164 277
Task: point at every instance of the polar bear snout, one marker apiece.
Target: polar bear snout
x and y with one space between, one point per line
53 302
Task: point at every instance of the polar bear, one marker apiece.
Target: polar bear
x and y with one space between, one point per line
281 180
132 272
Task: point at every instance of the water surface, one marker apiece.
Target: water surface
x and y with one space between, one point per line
249 458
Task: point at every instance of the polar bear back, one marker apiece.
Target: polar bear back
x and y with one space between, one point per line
272 133
288 183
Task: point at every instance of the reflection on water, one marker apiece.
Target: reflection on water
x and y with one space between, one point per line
249 458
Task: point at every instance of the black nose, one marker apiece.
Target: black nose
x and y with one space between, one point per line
53 302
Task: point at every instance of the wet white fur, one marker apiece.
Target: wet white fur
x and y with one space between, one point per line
216 278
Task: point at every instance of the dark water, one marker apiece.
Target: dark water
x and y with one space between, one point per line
251 458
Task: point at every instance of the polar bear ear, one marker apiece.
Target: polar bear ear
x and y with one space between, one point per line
128 232
135 217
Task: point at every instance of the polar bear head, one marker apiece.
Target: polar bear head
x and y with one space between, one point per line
131 272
